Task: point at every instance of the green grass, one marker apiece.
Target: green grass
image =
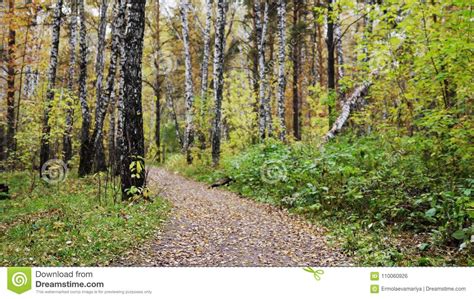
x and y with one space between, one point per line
66 224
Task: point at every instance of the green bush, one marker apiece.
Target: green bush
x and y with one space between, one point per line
422 182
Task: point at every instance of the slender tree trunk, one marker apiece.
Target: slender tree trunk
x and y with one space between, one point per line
172 109
101 104
261 31
296 60
188 84
340 61
205 70
133 137
11 65
85 154
67 143
105 95
157 88
219 49
53 65
281 67
331 73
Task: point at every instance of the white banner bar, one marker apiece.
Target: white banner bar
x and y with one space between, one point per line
236 282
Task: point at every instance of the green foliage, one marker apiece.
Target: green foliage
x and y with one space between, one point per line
421 183
64 225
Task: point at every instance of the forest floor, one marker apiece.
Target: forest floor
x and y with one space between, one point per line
211 227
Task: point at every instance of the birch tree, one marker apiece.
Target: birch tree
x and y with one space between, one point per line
85 154
53 65
281 67
101 105
188 84
106 94
261 24
67 143
132 174
205 68
219 48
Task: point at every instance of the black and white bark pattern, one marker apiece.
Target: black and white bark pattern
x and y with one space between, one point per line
104 103
219 49
281 67
206 52
339 50
355 99
261 31
132 116
67 143
205 69
101 105
53 65
188 83
85 154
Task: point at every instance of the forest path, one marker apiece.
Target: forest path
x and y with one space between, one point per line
211 227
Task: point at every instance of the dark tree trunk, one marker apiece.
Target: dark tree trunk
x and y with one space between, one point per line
133 137
157 88
85 154
296 60
331 74
11 79
219 49
67 142
53 65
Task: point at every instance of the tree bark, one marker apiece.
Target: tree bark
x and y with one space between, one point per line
101 104
85 154
157 88
205 70
67 142
132 117
106 94
355 99
219 49
261 31
53 65
281 67
11 65
188 84
331 72
296 60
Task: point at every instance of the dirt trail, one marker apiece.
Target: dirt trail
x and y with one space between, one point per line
211 227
